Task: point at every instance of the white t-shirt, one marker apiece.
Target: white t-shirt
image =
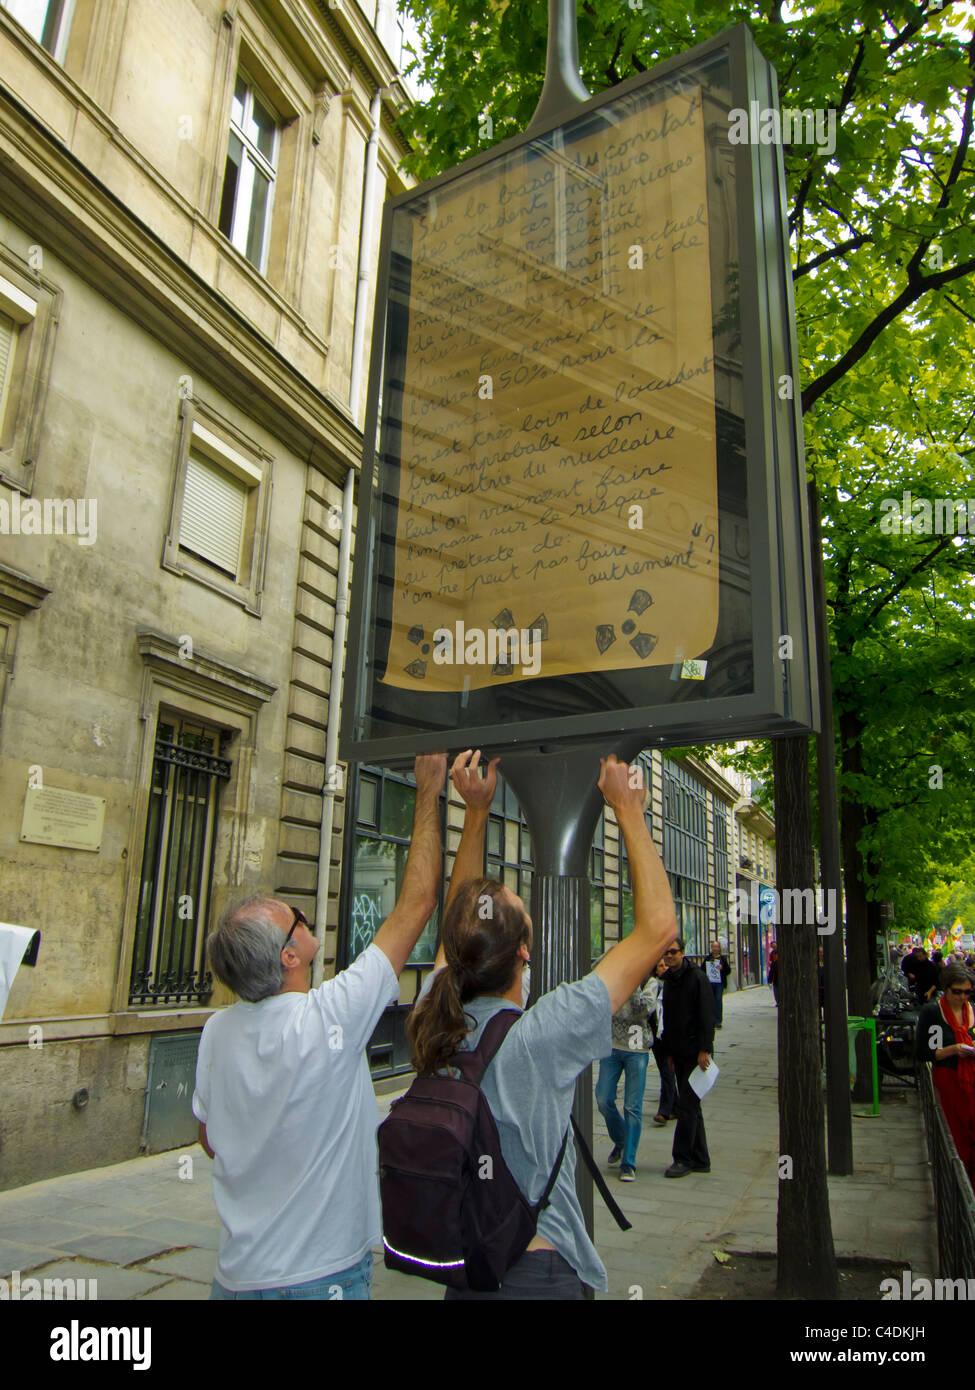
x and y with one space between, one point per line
714 970
284 1089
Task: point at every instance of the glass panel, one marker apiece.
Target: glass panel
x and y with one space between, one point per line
238 103
258 215
494 844
377 875
397 809
510 879
511 842
626 914
260 128
367 800
596 914
378 869
231 178
32 14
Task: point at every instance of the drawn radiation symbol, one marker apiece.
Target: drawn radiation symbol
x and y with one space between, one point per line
642 643
417 669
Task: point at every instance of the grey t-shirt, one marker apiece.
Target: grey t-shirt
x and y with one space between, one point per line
530 1087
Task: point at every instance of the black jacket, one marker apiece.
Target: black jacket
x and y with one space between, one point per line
688 1012
928 1042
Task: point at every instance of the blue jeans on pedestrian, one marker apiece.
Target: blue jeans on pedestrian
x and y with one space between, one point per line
625 1133
348 1284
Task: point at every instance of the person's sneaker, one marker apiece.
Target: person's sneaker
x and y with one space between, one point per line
616 1155
678 1170
660 1119
705 1169
627 1172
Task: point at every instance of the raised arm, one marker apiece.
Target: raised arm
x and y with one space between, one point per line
424 865
654 923
478 793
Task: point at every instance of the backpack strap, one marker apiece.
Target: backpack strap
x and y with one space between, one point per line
473 1065
598 1179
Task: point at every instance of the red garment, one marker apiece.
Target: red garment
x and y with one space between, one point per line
956 1089
959 1113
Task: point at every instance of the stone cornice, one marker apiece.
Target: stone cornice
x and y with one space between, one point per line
18 593
46 187
711 778
207 673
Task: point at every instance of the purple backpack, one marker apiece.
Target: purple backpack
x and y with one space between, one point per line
452 1212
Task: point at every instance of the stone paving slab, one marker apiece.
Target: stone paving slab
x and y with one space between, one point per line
181 1290
118 1250
192 1263
178 1233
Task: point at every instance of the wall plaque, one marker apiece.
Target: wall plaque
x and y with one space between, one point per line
55 816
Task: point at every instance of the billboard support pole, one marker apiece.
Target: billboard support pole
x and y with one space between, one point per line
563 86
562 805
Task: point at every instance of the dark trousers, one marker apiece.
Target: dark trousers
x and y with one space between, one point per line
718 992
538 1274
690 1141
668 1086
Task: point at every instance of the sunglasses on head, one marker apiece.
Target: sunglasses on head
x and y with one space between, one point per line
299 916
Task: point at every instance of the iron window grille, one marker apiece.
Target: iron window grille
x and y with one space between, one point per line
168 965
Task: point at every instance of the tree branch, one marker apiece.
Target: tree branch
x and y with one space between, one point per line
853 244
908 296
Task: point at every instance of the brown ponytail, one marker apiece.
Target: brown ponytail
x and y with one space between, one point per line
482 931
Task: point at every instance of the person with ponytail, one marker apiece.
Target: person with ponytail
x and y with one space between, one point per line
945 1038
481 968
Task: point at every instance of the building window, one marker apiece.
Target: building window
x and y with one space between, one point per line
168 965
383 827
28 317
248 181
509 850
686 853
219 523
721 867
47 21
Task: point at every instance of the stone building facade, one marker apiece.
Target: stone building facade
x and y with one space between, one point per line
189 199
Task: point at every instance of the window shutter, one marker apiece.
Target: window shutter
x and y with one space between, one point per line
8 330
214 508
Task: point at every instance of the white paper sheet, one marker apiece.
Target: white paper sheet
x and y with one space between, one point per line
702 1081
13 943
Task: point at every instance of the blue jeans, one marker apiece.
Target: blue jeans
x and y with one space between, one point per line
624 1134
347 1284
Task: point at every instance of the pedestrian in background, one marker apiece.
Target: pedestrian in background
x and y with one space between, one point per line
632 1043
688 1039
945 1038
717 968
667 1103
773 974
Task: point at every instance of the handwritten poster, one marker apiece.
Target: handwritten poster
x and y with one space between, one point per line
557 451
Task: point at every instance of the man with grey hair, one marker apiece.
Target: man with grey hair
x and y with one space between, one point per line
283 1090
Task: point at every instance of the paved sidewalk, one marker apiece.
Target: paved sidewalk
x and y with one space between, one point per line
148 1228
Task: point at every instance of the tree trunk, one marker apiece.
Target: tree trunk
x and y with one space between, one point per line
806 1258
860 953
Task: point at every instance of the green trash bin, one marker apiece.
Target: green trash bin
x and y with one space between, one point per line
855 1024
